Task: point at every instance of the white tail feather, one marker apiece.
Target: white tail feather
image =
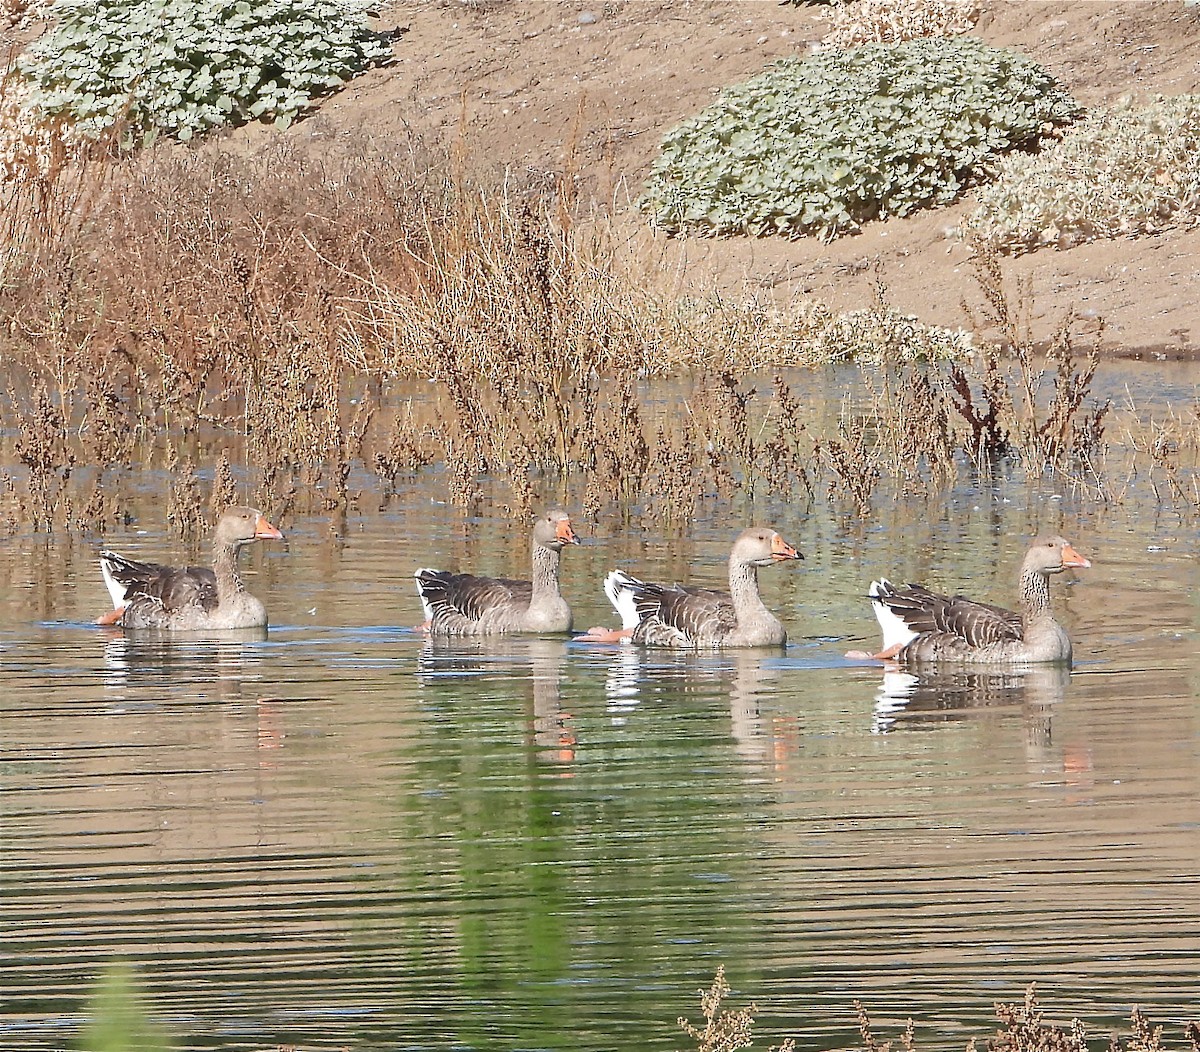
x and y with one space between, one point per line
421 592
895 631
115 588
619 587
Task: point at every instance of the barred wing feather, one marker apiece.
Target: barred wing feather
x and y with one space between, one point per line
977 624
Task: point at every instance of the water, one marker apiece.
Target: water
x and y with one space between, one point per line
338 835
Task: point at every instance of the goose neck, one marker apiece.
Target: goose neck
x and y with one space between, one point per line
743 588
1035 594
225 568
545 570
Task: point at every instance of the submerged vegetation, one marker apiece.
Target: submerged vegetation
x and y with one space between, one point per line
311 328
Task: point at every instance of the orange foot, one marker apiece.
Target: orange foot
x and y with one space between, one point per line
600 634
883 655
113 617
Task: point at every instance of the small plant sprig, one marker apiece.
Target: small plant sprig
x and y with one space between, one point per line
725 1030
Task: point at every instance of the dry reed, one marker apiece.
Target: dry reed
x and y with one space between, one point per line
1026 1030
294 319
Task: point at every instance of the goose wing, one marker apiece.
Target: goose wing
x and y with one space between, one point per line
976 624
464 595
169 588
679 616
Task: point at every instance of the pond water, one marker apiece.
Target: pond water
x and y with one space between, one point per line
337 835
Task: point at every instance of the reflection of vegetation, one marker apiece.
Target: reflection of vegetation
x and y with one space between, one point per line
564 871
118 1019
284 319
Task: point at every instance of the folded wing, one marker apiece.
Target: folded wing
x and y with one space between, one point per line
923 612
168 587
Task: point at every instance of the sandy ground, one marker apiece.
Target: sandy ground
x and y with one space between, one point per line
590 87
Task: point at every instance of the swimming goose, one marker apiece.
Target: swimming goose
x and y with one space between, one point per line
923 626
193 598
460 604
680 617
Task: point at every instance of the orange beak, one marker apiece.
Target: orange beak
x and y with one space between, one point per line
564 532
1072 558
264 531
781 550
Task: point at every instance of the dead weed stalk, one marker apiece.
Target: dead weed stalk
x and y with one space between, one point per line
1025 1030
724 1030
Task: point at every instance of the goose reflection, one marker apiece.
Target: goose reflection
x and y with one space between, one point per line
636 673
146 660
924 697
551 729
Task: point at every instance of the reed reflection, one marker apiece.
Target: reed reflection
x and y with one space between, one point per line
551 729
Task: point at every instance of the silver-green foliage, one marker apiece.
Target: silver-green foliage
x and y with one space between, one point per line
822 144
1134 169
181 67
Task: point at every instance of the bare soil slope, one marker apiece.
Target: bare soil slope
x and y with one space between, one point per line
590 86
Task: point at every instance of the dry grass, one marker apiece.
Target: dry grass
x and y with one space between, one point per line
285 328
725 1029
1026 1030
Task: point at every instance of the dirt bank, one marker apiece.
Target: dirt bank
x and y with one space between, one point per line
592 86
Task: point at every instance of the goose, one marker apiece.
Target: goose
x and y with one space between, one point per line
460 604
657 615
193 598
920 625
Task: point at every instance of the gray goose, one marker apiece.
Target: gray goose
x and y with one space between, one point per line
923 626
460 604
691 618
191 598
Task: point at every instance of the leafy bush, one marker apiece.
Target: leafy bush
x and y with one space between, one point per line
881 334
826 143
879 21
181 67
715 332
1119 173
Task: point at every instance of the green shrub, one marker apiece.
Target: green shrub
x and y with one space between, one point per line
181 67
823 144
1119 173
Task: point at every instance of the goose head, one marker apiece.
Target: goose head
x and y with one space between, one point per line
1052 554
553 530
238 526
762 546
